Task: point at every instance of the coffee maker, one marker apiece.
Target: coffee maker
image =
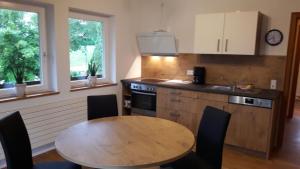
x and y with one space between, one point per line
199 75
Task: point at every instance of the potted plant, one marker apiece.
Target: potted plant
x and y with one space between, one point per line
20 86
93 67
18 58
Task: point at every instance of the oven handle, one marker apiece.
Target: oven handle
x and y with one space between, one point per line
149 94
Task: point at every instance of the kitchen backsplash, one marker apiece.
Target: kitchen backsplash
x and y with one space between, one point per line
220 69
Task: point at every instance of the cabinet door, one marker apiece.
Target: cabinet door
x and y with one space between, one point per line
209 33
167 114
249 127
240 33
188 119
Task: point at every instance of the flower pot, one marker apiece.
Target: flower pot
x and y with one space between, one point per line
92 81
20 90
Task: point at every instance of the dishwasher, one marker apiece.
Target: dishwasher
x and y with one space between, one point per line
251 101
253 124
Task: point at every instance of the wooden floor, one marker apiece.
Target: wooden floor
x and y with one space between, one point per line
297 107
287 158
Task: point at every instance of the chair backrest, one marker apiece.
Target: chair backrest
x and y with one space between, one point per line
102 106
15 142
211 136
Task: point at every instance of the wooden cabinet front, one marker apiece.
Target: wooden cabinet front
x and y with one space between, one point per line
249 127
186 107
179 106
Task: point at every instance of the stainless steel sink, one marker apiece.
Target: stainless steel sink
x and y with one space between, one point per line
220 87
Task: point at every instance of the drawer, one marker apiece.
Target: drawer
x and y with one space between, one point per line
176 103
213 97
166 114
177 92
187 119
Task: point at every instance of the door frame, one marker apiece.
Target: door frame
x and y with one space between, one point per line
291 68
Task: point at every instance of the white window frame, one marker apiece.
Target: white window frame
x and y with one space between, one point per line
44 85
107 75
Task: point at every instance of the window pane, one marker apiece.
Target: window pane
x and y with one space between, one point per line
86 43
19 47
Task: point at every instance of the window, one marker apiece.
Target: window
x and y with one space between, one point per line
88 40
22 45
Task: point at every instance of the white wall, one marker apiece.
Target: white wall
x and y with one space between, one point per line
179 17
127 63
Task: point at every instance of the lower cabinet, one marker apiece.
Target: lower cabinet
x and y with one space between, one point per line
249 128
178 106
186 107
188 119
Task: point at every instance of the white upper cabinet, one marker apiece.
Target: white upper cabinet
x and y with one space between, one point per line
227 33
209 27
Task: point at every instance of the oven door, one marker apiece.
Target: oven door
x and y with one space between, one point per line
143 100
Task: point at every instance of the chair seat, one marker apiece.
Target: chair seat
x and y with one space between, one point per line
191 161
56 165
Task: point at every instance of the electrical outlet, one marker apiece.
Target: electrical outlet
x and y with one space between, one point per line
273 84
190 72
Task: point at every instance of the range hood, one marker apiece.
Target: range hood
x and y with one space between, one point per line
158 43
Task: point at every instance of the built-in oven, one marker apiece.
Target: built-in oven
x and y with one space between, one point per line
143 99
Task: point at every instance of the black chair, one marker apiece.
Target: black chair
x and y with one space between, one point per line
17 149
102 106
210 141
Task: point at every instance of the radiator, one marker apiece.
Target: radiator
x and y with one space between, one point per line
46 121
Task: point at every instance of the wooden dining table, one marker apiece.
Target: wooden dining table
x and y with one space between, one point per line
125 142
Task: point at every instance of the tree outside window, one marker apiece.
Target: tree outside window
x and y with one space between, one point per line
19 41
86 43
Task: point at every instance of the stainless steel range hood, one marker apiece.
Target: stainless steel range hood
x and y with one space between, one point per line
158 43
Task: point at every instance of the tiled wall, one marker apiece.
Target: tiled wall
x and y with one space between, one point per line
221 69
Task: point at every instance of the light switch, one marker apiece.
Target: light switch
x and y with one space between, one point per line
190 72
273 84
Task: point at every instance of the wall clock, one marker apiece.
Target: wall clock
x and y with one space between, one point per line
274 37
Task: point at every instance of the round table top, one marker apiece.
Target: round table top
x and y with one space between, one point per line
125 142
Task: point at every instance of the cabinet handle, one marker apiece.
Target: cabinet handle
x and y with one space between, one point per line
175 114
174 100
173 92
218 47
226 45
176 93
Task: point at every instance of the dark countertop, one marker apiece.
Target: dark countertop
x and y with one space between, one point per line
256 92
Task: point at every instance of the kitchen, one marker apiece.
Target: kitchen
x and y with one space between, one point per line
185 88
249 72
235 79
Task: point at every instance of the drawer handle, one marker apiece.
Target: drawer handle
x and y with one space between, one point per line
176 100
176 93
175 114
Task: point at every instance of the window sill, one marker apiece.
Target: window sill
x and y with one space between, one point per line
79 88
28 96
